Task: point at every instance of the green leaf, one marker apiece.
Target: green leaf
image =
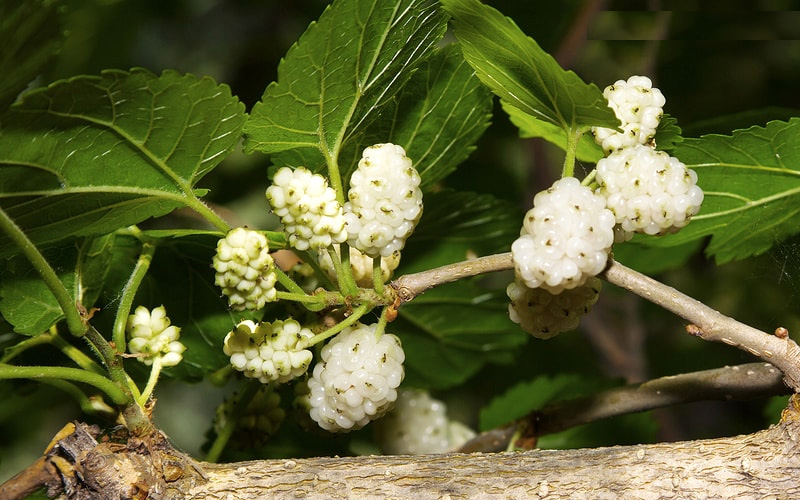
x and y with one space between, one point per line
458 327
336 79
668 133
437 118
27 303
92 154
525 397
588 150
523 75
641 256
751 181
460 219
31 35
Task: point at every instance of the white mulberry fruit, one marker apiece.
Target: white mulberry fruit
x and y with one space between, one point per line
638 106
649 191
152 336
385 201
565 238
245 269
419 425
361 265
545 315
356 379
269 352
307 206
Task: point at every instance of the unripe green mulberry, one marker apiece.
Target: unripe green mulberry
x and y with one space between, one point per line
152 336
245 269
269 352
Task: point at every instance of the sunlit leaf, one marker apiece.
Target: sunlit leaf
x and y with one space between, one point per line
751 181
92 154
515 68
588 150
336 79
438 116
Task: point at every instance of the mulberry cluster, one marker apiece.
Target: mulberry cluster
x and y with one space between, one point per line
649 191
545 315
418 425
638 106
245 269
152 336
307 206
385 201
565 238
269 352
356 379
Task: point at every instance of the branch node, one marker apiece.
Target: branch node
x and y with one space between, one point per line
694 330
782 333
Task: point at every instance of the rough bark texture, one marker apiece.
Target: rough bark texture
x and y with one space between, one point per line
764 465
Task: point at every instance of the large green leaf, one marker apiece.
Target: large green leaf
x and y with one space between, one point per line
92 154
336 79
31 35
515 68
463 326
437 118
461 221
25 300
751 181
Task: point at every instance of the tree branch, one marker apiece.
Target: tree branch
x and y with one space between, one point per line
731 383
739 467
410 285
735 467
709 324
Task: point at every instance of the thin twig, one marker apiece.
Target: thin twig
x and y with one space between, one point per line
711 325
731 383
706 323
411 285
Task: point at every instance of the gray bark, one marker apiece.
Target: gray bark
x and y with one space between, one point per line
764 465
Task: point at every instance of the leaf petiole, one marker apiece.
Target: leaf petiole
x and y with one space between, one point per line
75 322
330 332
129 292
112 390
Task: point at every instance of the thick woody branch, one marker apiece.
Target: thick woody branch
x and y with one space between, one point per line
738 467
